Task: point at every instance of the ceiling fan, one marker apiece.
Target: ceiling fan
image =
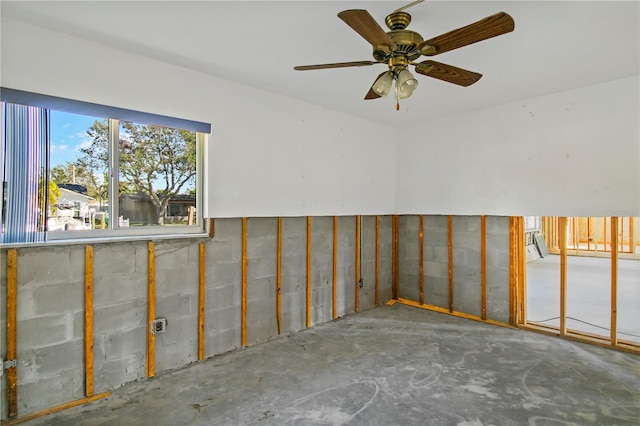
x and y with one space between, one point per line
399 48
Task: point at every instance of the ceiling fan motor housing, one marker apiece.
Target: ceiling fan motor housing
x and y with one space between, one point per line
406 41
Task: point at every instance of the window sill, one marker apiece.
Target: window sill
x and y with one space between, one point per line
111 239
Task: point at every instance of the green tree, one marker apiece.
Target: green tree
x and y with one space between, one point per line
52 193
155 161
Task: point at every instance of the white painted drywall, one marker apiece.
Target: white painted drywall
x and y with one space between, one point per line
575 153
268 155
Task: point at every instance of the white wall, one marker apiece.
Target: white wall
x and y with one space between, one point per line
574 153
268 155
570 153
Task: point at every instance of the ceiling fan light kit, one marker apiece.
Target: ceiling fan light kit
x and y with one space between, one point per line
399 48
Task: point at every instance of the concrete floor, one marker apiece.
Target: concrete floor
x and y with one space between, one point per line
588 294
394 365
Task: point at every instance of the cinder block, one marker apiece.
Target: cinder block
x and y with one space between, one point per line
228 229
110 258
437 292
120 317
170 256
321 310
436 269
261 268
294 301
409 287
57 360
177 281
218 250
50 391
435 222
294 226
175 306
222 320
218 298
262 289
43 331
121 288
262 227
294 265
293 321
261 321
224 274
436 238
221 342
466 223
115 373
53 264
57 298
497 225
122 344
175 354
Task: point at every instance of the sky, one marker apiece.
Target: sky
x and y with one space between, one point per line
68 135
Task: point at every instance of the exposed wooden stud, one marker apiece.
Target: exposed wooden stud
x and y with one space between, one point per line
446 311
521 313
621 237
12 337
614 282
483 266
632 244
308 309
450 253
279 277
334 292
377 271
421 256
602 341
243 332
88 321
201 282
357 264
395 264
212 228
562 236
151 311
55 409
513 269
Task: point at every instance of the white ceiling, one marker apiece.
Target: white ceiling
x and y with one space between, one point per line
556 46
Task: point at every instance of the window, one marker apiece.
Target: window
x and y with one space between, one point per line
69 173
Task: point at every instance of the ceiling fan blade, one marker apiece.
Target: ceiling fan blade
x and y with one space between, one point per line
364 24
336 65
447 73
492 26
372 94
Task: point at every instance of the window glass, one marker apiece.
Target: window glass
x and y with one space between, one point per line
157 176
78 174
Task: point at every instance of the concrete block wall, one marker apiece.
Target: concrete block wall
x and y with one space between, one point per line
498 268
466 263
50 313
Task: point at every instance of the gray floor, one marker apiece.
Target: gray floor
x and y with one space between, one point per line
394 365
588 295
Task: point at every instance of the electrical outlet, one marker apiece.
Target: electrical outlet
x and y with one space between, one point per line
159 325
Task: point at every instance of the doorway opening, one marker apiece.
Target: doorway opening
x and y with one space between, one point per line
583 278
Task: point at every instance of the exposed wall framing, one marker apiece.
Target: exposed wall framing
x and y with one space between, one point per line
594 237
